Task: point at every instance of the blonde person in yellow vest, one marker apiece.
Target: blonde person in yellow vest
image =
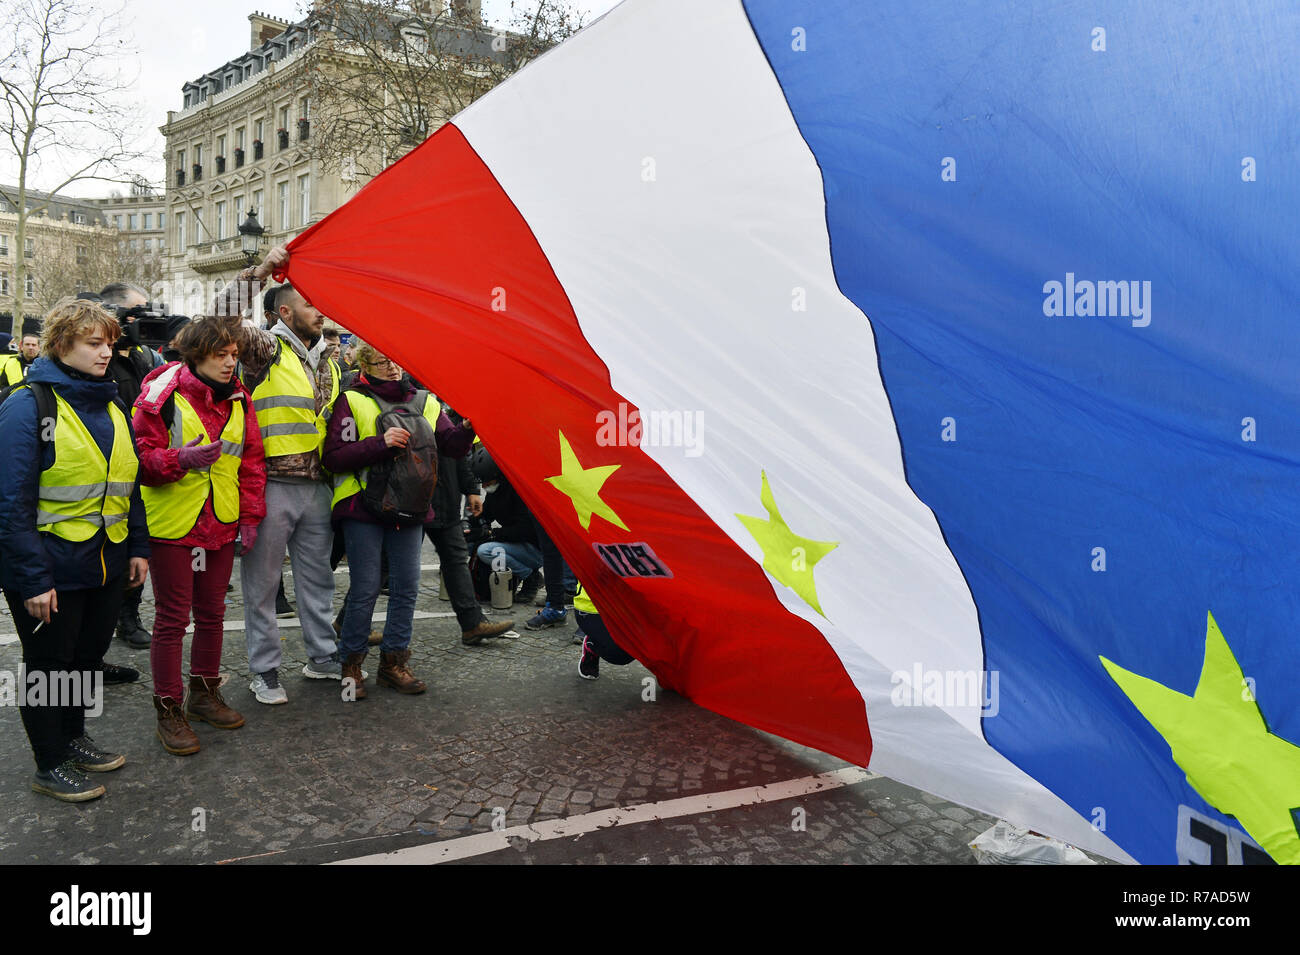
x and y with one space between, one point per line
72 534
362 436
293 386
204 480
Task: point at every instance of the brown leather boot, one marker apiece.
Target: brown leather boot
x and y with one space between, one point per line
394 672
173 729
204 702
484 629
352 671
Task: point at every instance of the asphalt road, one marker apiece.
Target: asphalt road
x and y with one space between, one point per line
509 758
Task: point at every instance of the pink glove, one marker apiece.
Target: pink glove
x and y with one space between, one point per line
191 457
247 537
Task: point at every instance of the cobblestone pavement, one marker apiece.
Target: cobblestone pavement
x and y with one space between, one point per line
507 731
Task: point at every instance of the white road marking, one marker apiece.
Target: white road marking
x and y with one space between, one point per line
285 623
450 850
343 568
8 637
293 622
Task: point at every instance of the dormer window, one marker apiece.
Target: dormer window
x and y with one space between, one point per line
415 40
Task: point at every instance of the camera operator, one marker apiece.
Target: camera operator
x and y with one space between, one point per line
132 360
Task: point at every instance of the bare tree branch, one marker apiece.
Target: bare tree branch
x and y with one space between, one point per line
385 74
65 102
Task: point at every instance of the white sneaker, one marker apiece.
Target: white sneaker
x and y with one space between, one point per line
267 689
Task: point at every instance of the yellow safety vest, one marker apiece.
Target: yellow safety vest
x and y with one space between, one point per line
173 508
365 412
11 370
83 492
286 405
582 602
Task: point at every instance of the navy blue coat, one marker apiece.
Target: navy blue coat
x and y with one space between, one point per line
31 562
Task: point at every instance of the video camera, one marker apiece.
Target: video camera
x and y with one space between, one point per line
144 324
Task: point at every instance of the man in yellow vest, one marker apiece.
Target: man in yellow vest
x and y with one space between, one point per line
293 385
13 368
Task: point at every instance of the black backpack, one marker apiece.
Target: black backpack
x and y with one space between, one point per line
47 409
399 488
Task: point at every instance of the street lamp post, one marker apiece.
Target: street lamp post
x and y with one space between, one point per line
250 237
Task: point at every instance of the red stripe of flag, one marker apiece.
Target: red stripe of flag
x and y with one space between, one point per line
413 264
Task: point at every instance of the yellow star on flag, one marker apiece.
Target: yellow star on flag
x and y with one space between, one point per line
787 556
582 486
1218 737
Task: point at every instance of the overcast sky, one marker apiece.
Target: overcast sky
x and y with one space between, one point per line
179 40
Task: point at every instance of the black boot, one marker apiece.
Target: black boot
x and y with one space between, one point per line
130 629
282 606
115 675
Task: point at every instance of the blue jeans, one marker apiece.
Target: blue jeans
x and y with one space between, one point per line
522 559
364 543
558 575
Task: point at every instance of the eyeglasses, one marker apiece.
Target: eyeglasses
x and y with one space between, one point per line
386 363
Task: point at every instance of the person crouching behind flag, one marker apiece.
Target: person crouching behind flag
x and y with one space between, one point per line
72 536
354 444
204 478
597 644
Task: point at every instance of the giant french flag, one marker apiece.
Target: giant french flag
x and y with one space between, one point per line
919 382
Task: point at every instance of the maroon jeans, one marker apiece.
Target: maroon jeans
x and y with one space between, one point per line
186 578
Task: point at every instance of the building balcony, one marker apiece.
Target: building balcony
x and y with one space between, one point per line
239 158
198 172
220 255
180 177
221 165
257 149
283 135
304 129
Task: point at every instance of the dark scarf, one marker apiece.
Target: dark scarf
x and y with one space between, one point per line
394 392
220 390
80 375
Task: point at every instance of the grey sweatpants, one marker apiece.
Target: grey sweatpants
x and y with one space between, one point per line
297 517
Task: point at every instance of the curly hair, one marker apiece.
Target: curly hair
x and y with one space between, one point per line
71 318
366 353
205 337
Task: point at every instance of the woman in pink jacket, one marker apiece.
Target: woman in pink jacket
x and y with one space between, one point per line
203 479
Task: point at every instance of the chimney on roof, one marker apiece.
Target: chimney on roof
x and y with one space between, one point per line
263 28
470 11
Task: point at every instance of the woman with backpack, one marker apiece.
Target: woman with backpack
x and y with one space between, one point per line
72 534
382 445
204 479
